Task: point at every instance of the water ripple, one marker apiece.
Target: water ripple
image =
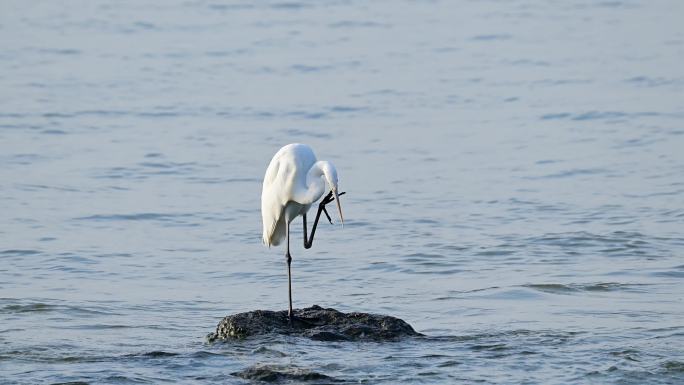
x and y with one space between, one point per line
557 288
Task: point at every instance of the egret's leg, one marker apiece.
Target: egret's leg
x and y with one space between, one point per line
288 258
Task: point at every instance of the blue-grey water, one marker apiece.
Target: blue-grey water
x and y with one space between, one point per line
514 174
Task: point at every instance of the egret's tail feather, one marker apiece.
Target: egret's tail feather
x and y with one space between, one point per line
274 235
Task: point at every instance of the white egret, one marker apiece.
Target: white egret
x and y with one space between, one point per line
294 181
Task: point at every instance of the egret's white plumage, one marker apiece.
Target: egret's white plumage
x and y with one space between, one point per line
294 180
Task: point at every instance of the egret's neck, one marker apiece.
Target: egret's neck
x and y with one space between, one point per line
315 183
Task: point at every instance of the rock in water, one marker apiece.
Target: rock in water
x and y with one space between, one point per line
314 322
273 373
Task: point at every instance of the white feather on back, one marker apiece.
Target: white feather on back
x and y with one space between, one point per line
284 180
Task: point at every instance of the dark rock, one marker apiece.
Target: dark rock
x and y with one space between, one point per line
275 373
314 322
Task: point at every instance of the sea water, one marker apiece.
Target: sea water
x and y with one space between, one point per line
514 174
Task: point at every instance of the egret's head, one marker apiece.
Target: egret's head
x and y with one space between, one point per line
330 175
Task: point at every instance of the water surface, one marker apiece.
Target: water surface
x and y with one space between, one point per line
513 174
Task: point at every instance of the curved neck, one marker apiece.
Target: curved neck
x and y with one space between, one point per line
315 184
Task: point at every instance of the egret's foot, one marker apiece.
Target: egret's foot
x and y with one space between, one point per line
328 199
299 322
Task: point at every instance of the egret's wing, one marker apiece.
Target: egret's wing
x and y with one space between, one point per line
285 177
274 198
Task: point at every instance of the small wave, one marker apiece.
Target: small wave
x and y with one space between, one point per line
167 165
28 308
348 109
53 132
308 115
549 337
58 51
23 159
306 133
604 115
269 351
648 81
154 354
435 271
627 354
37 187
100 327
668 372
455 294
216 180
609 286
423 258
493 347
558 288
620 239
205 354
150 168
570 173
669 274
382 266
306 68
126 380
19 252
230 7
227 52
134 217
449 363
290 5
358 24
494 252
673 366
20 307
53 354
492 37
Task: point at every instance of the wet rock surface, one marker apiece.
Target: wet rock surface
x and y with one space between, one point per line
313 322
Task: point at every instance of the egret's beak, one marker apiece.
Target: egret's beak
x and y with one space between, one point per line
339 208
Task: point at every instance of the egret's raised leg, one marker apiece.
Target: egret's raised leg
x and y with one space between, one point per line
308 242
288 258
